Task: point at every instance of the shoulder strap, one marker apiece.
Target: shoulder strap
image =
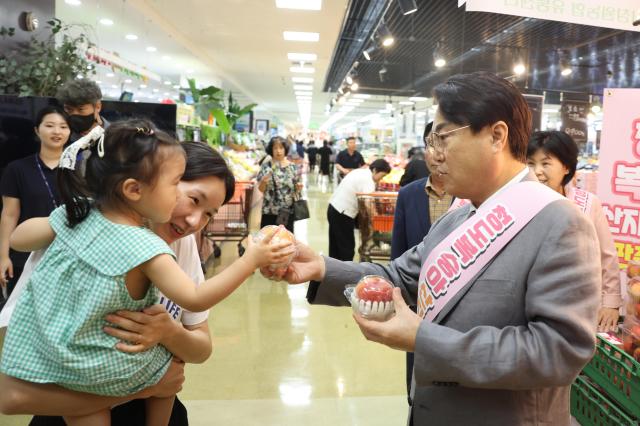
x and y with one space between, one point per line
471 246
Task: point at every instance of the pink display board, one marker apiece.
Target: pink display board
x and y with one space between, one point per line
619 171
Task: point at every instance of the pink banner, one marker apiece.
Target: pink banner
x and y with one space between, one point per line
619 171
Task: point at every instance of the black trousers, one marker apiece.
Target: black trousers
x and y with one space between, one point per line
342 242
132 413
270 219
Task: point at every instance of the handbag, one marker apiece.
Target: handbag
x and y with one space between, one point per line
300 209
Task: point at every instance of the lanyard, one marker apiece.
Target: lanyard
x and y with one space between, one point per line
46 183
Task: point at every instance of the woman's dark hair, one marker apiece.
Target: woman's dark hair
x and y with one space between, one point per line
325 143
204 161
481 99
274 140
50 109
132 149
380 165
560 145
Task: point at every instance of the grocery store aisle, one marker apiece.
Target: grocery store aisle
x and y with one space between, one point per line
279 361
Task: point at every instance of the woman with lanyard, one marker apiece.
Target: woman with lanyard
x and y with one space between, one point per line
553 157
279 181
29 189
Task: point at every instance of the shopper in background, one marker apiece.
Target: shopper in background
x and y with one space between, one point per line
278 180
29 189
82 100
419 204
325 161
416 168
506 348
332 159
343 207
553 157
348 159
312 152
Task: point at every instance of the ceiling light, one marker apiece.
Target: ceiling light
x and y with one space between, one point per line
417 99
405 103
355 100
143 86
302 87
73 2
299 4
306 57
367 53
128 80
519 68
440 62
155 90
596 109
361 96
349 79
302 93
167 83
439 59
385 35
340 90
300 36
303 98
131 37
166 93
151 49
113 86
98 82
109 74
302 79
106 21
355 86
566 71
302 70
407 7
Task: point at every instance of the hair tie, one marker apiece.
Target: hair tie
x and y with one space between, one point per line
144 131
70 154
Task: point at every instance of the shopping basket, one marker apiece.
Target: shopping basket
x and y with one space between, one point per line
592 408
231 223
375 222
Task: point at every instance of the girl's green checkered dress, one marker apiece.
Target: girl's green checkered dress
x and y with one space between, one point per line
55 334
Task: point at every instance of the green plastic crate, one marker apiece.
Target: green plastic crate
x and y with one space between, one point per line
618 374
591 408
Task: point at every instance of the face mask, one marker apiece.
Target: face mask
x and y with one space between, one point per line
81 123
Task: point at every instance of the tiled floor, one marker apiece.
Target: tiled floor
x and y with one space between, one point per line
279 361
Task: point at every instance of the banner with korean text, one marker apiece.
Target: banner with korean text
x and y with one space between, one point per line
618 14
619 170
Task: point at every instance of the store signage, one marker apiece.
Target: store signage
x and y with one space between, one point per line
599 13
535 102
619 170
573 115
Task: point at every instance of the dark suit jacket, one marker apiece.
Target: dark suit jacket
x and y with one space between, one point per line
411 220
415 169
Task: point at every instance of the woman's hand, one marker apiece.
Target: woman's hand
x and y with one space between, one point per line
608 319
140 331
6 270
306 266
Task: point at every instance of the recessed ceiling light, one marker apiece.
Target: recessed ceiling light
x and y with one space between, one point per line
405 103
136 101
98 82
109 74
176 86
143 86
73 2
302 87
302 93
361 96
299 4
167 83
128 80
417 99
106 21
302 79
302 70
151 49
131 37
300 36
306 57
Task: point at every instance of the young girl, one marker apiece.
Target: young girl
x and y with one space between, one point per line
102 259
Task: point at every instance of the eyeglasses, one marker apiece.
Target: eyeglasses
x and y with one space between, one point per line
437 141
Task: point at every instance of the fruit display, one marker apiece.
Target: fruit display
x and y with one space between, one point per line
633 269
282 234
631 338
372 298
243 164
633 289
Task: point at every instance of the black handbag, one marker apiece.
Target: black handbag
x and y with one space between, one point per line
300 209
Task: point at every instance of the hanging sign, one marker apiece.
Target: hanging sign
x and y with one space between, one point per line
619 14
574 120
619 170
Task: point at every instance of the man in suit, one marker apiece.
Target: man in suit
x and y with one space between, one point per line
419 204
506 348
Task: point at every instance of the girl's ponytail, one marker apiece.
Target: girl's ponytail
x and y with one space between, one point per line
75 195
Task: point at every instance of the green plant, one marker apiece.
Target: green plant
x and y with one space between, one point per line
209 100
235 111
39 67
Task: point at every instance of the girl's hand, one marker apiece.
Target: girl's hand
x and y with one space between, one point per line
307 265
608 319
140 331
265 253
6 270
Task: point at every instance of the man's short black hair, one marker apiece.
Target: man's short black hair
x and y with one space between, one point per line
352 137
560 145
274 140
481 99
427 130
380 165
79 92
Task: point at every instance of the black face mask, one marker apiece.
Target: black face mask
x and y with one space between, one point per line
81 123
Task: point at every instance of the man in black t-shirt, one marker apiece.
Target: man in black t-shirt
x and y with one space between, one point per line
349 159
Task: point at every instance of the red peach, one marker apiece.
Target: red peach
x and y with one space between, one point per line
633 268
375 289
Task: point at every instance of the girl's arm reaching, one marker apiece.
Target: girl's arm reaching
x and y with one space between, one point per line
165 274
32 234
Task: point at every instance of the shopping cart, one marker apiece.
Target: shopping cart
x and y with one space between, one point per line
231 223
375 222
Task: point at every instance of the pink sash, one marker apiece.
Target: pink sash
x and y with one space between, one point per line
464 252
583 199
